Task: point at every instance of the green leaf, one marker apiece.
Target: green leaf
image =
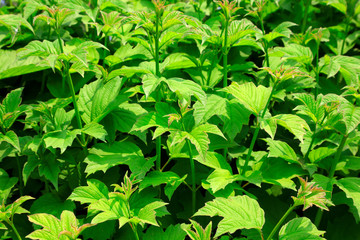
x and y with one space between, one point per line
50 169
220 178
148 214
238 212
295 124
199 137
299 229
351 116
320 153
214 160
236 116
104 156
280 149
51 225
95 130
6 184
155 178
172 232
252 97
198 233
11 138
95 191
184 89
96 99
30 165
60 139
13 66
51 204
215 105
351 187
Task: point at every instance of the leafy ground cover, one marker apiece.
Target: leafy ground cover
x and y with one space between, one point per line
180 119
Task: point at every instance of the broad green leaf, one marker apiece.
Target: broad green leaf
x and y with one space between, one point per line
236 116
198 233
60 139
351 187
351 116
96 99
184 89
220 178
106 99
6 184
199 137
95 191
62 229
215 105
11 138
150 83
51 204
125 116
148 214
172 232
50 169
95 130
349 68
252 97
156 178
299 229
13 66
320 153
280 149
51 225
104 156
30 165
295 124
311 107
214 160
238 212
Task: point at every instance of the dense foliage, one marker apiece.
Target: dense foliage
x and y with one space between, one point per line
135 119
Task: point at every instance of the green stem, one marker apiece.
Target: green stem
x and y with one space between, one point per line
318 217
276 228
337 156
253 140
135 231
311 143
303 25
346 33
21 184
266 45
157 63
225 53
158 153
12 226
317 72
193 178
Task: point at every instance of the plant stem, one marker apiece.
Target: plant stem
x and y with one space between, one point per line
303 25
337 156
21 184
225 53
11 224
72 91
157 64
311 143
346 33
135 231
157 72
193 177
318 217
253 140
317 72
276 228
158 153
